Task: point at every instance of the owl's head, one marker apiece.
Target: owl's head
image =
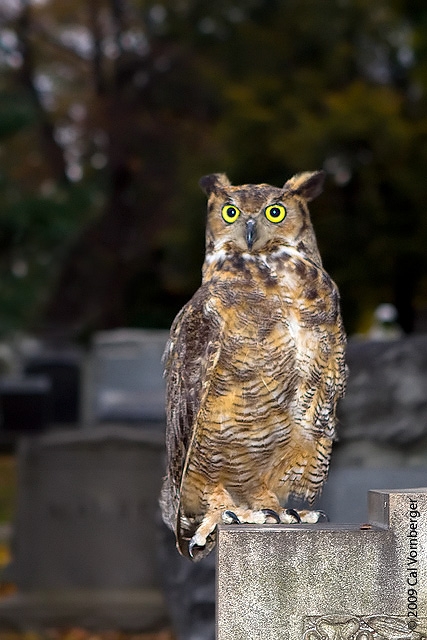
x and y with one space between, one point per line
261 218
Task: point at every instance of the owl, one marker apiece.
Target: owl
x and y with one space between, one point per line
254 367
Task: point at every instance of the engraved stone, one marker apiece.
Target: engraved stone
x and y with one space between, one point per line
327 581
85 530
86 509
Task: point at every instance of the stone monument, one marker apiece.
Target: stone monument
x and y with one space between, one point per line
124 378
84 542
25 406
327 581
62 367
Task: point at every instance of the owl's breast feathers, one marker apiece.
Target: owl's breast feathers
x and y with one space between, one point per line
254 367
284 283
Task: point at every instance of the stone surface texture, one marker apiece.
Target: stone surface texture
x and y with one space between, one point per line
327 581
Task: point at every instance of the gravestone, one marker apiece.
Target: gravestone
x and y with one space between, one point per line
63 369
25 405
85 529
325 581
125 378
382 443
86 509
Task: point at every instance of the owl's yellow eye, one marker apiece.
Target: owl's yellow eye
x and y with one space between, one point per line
230 213
275 213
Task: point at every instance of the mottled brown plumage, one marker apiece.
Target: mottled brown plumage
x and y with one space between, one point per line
254 366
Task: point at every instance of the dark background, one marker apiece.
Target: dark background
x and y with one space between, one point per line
111 110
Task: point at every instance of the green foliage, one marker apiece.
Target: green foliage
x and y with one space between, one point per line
15 113
35 232
102 150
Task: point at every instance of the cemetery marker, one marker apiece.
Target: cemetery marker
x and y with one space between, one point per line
328 581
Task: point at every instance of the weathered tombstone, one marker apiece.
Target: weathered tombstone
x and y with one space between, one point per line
85 530
63 369
125 379
328 582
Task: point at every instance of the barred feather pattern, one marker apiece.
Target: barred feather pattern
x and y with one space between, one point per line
254 368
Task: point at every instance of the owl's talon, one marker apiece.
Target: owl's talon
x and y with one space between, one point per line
229 517
272 513
191 546
294 513
323 517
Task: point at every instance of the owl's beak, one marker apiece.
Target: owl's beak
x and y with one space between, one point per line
250 233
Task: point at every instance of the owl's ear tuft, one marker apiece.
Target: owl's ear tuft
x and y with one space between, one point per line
308 184
214 182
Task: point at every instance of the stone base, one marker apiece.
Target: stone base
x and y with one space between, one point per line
327 581
128 610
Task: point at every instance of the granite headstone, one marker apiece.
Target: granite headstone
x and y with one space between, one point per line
86 509
25 405
125 377
63 370
328 582
85 528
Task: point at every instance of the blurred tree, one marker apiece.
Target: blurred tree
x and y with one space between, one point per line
110 110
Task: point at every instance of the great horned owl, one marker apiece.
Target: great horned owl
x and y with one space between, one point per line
254 366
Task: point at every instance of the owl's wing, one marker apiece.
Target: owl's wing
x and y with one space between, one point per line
319 339
335 378
190 355
324 381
